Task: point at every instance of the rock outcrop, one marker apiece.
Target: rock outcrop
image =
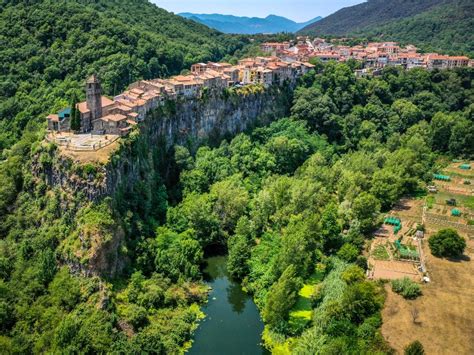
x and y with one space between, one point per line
137 164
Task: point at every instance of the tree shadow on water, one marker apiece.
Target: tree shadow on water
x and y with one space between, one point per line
236 297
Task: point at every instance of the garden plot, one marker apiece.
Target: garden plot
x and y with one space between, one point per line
385 264
394 252
461 181
453 205
440 318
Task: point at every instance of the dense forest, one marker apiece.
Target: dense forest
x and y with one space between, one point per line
291 202
369 13
436 25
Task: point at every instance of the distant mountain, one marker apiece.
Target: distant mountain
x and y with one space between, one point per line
248 25
432 25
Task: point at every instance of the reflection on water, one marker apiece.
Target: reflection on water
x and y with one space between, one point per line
232 324
234 297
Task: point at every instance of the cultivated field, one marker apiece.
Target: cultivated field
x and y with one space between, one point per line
384 261
442 318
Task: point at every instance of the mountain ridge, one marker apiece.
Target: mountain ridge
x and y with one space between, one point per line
370 13
248 25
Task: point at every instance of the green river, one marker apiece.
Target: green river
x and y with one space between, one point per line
232 324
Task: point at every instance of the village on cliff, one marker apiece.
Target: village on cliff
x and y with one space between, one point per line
103 120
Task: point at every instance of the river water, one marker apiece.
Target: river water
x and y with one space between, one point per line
232 324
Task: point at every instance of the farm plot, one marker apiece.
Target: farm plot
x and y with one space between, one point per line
440 319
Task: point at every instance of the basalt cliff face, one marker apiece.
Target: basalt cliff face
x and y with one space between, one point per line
187 122
142 161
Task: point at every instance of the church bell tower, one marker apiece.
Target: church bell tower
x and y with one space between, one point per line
93 98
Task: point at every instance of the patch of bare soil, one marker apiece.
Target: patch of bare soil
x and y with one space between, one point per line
99 156
442 319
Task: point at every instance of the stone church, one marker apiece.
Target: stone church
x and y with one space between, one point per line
94 109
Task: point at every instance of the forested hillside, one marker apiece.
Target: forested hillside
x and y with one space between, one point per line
447 28
369 13
436 25
48 48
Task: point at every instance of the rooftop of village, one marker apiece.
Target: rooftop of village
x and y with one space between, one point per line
99 121
373 55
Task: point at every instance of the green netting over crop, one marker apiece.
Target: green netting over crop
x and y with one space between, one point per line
394 221
406 252
441 177
455 212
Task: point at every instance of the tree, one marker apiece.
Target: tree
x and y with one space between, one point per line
408 112
361 299
441 126
183 158
177 255
196 212
318 110
281 297
447 243
462 138
239 249
415 348
366 209
75 119
348 252
230 201
297 246
386 186
330 228
353 274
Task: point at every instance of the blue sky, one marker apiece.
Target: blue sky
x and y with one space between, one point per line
298 10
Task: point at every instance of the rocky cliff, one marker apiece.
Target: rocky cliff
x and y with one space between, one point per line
134 175
185 122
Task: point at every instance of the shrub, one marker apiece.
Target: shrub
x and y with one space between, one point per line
407 288
415 348
361 262
348 252
352 274
447 243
